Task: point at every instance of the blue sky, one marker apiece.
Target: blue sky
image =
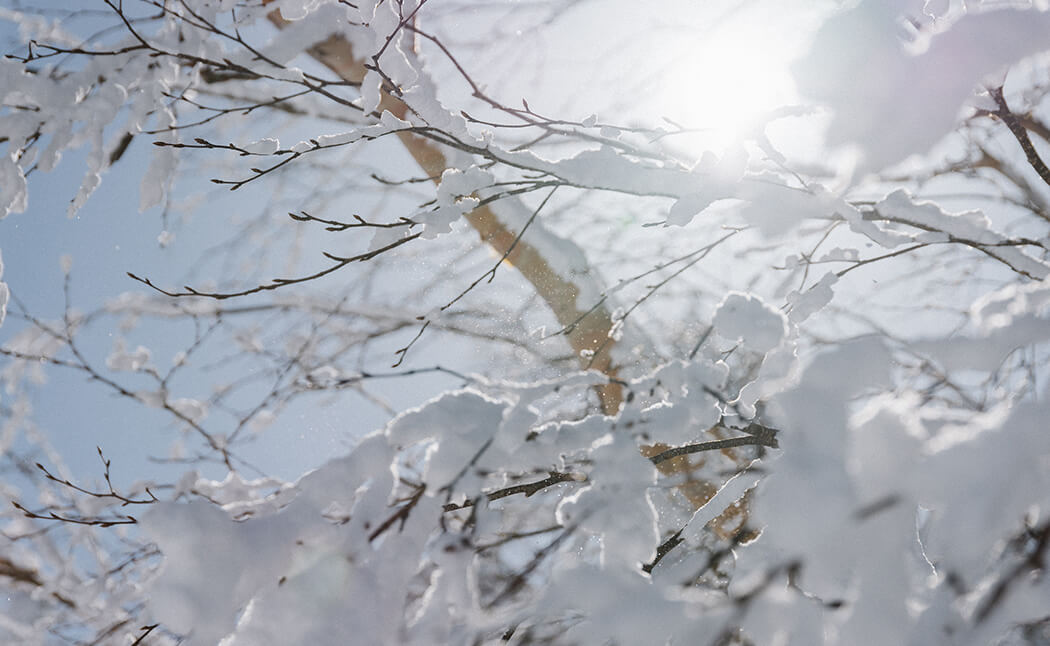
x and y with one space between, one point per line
109 237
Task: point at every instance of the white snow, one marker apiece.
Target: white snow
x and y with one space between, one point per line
900 461
860 67
5 292
120 359
267 146
745 317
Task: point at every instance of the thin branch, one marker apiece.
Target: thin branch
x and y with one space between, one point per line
359 222
1019 132
491 274
1034 561
861 263
402 352
758 435
661 551
112 493
51 515
401 515
277 283
528 489
519 580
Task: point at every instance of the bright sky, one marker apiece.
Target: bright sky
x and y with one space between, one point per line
738 68
719 63
711 64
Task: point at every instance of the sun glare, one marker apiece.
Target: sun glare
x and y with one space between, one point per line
726 78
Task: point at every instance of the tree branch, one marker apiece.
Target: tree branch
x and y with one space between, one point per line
1019 132
766 438
527 489
589 334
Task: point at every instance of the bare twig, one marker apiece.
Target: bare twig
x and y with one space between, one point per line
528 489
765 436
1019 132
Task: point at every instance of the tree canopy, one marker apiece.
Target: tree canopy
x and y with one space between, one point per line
537 322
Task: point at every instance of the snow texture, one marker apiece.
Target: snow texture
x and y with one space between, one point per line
949 66
746 318
456 196
890 514
121 360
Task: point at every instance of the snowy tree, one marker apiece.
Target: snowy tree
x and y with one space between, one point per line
762 368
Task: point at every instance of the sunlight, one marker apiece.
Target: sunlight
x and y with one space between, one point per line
720 83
